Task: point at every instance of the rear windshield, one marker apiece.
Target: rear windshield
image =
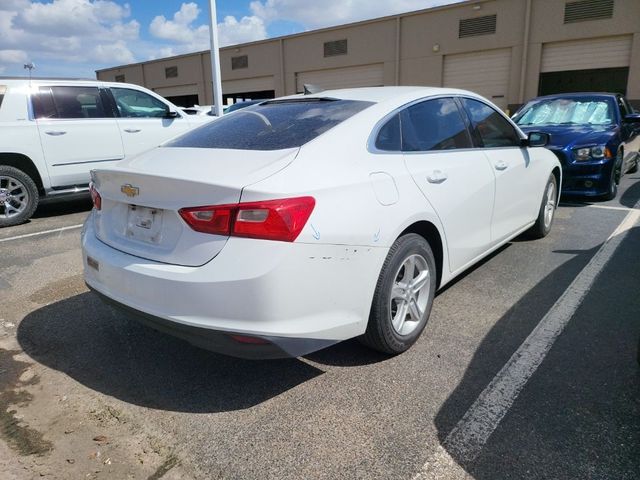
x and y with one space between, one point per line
3 89
274 125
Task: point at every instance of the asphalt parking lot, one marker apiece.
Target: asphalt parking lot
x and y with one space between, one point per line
88 393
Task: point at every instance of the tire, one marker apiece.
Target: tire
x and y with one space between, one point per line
546 214
389 330
18 196
613 181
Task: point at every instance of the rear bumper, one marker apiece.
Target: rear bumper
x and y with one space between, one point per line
299 297
223 342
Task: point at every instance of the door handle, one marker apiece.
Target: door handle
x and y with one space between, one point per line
55 133
132 130
501 165
437 176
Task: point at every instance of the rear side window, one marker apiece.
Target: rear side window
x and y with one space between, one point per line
3 90
272 125
389 137
69 103
434 125
489 127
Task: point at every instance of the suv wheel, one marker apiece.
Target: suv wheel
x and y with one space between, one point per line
18 196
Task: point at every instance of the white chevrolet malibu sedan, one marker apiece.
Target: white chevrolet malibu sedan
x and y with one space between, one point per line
300 222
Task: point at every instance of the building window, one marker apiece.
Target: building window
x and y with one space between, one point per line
584 10
239 62
472 27
171 72
120 78
337 47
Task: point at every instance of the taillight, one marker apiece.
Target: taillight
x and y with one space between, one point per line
281 220
95 196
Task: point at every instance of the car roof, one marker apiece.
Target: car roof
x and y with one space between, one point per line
386 95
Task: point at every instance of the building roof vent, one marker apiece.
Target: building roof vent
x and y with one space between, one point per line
239 62
583 10
337 47
471 27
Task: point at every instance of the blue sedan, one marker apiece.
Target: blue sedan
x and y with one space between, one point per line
596 136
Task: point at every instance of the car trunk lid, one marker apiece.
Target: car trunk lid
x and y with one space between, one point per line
141 198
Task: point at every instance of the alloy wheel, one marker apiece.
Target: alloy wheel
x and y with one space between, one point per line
410 294
14 197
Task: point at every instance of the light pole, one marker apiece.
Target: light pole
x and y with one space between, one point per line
215 60
29 66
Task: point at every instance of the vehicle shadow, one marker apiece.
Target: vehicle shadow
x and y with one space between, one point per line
55 208
102 349
492 354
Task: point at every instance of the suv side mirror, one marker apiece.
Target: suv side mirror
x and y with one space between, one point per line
171 114
536 139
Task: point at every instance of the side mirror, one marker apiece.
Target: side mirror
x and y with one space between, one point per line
171 114
536 139
633 118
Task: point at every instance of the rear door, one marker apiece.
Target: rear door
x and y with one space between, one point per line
518 182
143 120
455 178
77 130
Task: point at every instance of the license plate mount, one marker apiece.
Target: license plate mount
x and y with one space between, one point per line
144 224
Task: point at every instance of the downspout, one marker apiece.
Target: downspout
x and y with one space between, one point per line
397 77
525 51
283 83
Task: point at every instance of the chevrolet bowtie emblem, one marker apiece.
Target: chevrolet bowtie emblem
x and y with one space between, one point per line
129 190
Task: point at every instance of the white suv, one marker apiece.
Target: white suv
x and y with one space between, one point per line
54 132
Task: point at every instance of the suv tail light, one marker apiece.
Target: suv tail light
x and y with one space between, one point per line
95 196
281 220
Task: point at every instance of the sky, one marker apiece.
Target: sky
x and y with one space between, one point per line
73 38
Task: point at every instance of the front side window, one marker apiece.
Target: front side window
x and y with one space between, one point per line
434 125
133 103
272 125
69 103
489 127
567 111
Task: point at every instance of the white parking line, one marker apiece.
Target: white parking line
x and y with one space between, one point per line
465 441
27 235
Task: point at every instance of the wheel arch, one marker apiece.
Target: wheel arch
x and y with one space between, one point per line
25 164
557 172
432 235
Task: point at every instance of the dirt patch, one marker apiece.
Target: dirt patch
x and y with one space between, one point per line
19 436
58 290
163 469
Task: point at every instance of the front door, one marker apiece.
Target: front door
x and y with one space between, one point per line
517 178
143 120
77 131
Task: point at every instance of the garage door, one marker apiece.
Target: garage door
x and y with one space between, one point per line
248 85
360 76
590 54
486 73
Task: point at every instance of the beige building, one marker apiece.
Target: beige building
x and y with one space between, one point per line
507 50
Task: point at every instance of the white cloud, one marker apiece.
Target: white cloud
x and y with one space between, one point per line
13 56
60 34
334 12
186 35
